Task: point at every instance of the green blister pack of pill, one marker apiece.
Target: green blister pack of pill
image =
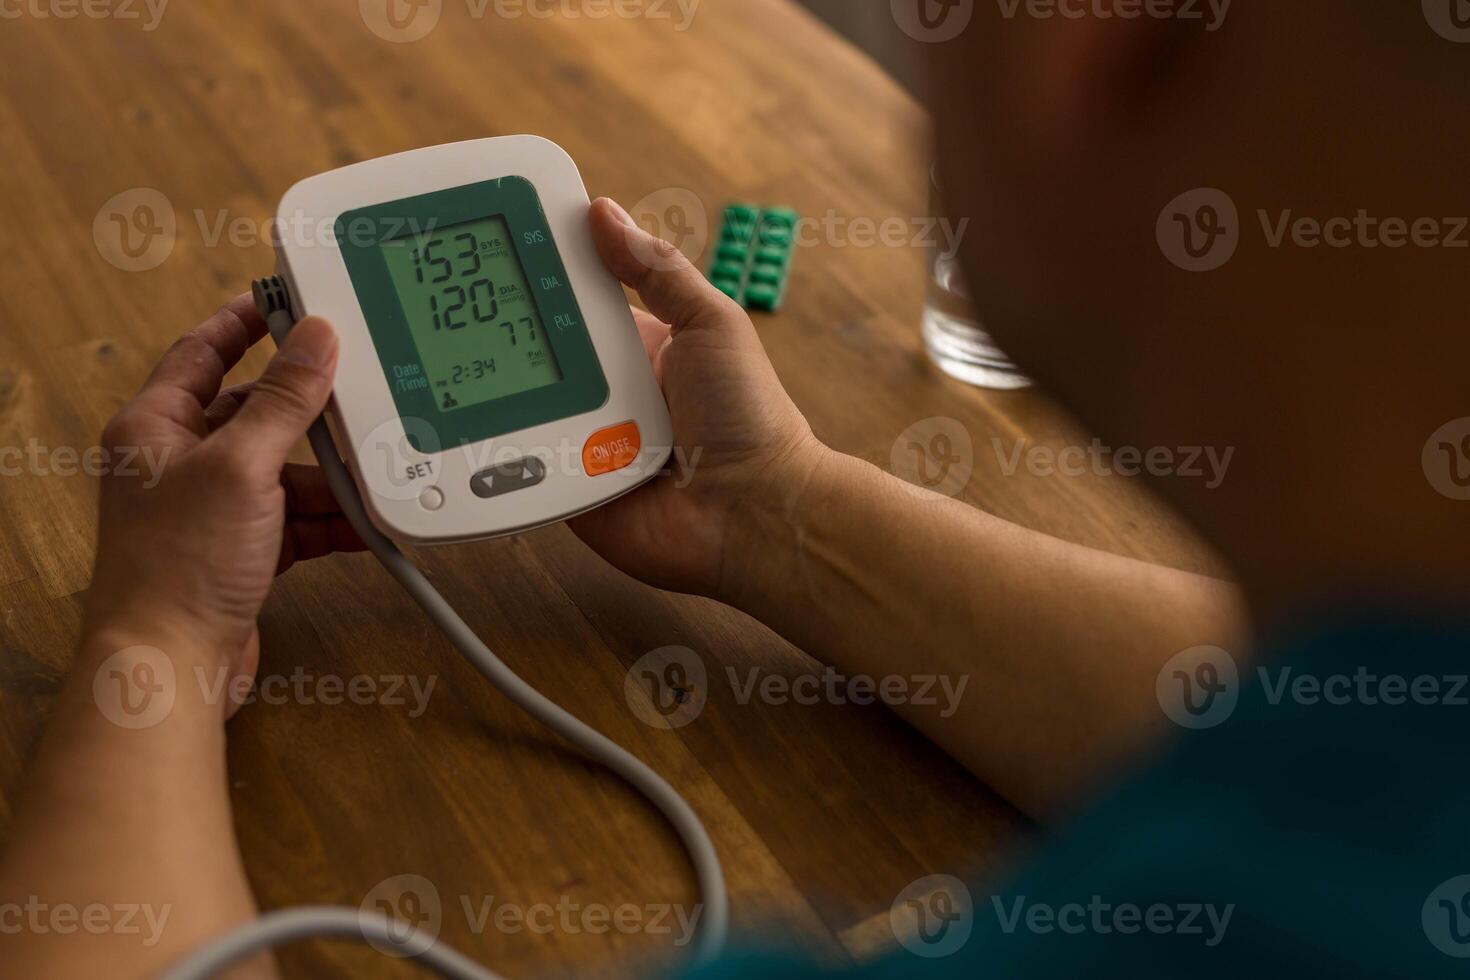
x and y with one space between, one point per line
752 257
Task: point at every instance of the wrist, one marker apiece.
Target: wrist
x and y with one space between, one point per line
137 674
186 646
102 638
149 611
768 524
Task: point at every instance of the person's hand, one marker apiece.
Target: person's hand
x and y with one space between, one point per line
186 556
742 448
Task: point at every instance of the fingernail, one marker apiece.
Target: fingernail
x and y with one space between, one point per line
312 343
620 212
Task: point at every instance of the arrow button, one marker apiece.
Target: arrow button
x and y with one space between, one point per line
509 477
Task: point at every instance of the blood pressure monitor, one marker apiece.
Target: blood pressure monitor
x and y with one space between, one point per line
491 379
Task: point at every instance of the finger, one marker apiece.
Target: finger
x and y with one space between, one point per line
655 336
307 493
651 329
286 399
667 282
224 407
198 361
316 537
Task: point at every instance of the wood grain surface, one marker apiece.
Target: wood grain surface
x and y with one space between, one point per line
822 813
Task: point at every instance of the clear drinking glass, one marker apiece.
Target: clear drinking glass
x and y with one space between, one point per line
953 336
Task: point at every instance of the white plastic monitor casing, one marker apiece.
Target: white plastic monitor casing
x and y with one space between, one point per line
392 475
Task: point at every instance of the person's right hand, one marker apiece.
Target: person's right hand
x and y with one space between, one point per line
742 448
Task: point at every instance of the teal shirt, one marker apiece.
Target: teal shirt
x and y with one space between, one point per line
1325 821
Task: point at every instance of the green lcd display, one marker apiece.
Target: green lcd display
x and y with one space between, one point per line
471 310
471 314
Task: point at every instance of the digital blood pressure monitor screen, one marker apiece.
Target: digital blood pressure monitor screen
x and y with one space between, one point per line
469 309
473 316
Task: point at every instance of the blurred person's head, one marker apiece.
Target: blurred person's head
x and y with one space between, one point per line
1069 141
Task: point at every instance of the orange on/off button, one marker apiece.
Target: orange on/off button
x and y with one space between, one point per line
610 449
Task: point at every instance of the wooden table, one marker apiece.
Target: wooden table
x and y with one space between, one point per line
822 813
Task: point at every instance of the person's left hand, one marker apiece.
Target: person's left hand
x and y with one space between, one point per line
186 556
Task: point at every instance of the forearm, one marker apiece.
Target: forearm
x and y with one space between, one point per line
126 820
1057 646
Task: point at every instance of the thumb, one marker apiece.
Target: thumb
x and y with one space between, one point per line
288 397
668 283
